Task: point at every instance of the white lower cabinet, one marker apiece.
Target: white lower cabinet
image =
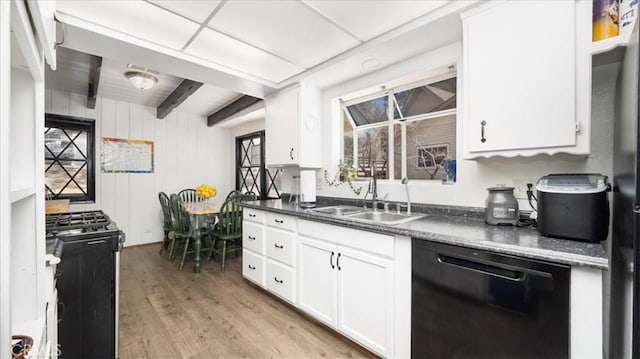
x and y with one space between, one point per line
317 280
347 288
281 280
365 299
253 243
253 267
269 252
356 282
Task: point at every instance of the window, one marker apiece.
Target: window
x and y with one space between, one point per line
69 158
251 174
403 131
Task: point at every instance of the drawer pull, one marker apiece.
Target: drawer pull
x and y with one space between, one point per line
338 261
252 267
277 280
278 246
482 138
252 215
331 260
279 221
252 238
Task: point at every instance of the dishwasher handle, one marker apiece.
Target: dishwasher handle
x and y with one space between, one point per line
488 269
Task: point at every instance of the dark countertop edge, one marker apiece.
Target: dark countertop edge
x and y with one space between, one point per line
558 257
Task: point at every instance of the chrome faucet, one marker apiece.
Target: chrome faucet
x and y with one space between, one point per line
373 187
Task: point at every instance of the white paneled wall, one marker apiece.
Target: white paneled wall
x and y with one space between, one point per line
187 153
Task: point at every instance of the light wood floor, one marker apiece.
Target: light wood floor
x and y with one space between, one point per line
165 313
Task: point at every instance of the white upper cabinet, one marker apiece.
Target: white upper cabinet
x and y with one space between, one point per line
42 14
526 78
292 127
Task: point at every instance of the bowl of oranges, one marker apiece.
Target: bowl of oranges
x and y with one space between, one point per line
205 191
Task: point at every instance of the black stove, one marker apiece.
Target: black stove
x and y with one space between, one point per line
89 220
78 226
88 244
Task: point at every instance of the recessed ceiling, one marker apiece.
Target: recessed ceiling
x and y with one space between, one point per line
197 10
137 18
289 29
269 40
72 75
368 19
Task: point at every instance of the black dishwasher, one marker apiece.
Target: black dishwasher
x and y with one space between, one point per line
469 303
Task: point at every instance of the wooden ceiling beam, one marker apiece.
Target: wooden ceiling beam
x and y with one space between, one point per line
181 93
95 65
231 109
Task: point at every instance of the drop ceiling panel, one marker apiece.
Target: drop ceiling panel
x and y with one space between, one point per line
288 29
195 10
368 19
136 18
224 50
208 99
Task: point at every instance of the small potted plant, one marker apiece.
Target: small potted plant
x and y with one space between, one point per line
346 174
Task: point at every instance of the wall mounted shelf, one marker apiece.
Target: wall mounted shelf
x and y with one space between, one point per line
21 192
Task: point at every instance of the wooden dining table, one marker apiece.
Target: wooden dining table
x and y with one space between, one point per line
200 213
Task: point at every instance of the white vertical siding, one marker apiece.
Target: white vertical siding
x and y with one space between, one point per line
187 153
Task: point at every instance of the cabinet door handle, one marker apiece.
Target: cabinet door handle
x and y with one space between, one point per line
331 260
252 215
252 267
252 238
482 138
277 280
338 261
291 153
279 221
278 246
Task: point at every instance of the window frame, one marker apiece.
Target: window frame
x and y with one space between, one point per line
392 121
262 169
74 124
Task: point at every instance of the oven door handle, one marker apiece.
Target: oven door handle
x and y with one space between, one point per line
483 268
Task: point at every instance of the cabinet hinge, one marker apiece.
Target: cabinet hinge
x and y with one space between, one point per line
577 127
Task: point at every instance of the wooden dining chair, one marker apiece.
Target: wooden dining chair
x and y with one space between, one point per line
167 221
235 192
182 234
228 229
189 195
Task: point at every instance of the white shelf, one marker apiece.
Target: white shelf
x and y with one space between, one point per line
611 50
21 192
609 44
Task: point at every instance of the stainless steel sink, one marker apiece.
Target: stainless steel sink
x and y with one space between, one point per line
339 210
385 217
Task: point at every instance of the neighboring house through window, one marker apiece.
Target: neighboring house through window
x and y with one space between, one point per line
69 158
403 131
251 173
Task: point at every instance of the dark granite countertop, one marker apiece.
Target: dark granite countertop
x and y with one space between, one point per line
455 227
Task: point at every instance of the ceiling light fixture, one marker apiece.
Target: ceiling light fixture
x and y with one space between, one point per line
141 80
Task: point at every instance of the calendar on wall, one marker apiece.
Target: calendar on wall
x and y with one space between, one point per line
120 155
